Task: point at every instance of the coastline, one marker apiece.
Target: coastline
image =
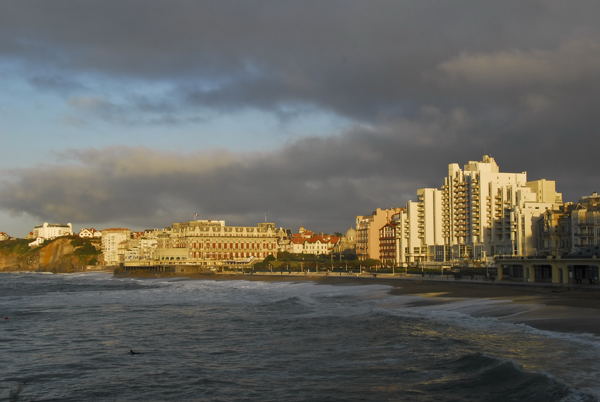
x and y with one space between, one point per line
560 309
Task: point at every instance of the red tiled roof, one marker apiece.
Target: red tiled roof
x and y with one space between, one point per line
315 238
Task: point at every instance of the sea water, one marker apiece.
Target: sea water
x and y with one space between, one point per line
68 338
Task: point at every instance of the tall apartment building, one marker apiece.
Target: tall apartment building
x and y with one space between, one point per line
388 246
487 212
367 232
114 245
211 242
477 213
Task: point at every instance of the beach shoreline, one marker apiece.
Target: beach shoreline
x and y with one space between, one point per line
560 309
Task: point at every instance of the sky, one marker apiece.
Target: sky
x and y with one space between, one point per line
140 113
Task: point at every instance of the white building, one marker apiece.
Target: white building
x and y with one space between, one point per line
487 212
90 233
49 231
114 245
307 242
479 212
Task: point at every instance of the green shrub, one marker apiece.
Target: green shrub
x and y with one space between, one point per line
16 246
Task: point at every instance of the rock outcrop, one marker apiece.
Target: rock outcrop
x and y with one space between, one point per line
63 254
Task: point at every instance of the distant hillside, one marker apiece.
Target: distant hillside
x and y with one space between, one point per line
63 254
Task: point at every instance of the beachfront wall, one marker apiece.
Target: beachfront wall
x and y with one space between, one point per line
583 271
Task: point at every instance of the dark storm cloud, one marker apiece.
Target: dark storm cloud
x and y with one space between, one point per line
322 182
425 83
354 57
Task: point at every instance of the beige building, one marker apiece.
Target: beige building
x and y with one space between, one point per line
585 226
367 232
4 236
141 250
347 243
554 232
212 243
572 230
388 243
114 245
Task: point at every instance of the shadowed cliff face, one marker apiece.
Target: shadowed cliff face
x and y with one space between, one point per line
66 254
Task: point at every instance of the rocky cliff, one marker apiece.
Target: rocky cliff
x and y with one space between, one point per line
64 254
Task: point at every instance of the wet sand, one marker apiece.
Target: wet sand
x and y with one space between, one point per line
548 308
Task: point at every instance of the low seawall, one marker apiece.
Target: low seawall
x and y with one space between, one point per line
160 270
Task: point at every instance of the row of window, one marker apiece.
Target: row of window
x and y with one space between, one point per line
227 256
242 246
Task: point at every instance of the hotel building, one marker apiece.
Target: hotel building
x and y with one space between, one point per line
212 243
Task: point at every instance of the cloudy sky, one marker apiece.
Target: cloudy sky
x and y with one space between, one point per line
143 112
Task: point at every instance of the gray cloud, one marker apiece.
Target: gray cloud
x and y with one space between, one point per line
425 83
56 83
319 182
360 59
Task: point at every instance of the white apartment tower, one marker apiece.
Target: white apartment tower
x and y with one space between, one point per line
479 212
486 212
422 226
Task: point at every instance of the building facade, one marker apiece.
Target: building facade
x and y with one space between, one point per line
388 254
571 230
114 245
479 212
347 243
49 231
212 243
367 232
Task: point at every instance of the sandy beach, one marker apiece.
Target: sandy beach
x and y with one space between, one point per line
547 308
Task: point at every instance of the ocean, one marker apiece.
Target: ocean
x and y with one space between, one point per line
67 337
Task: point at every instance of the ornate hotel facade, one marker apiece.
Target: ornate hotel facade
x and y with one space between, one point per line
212 243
